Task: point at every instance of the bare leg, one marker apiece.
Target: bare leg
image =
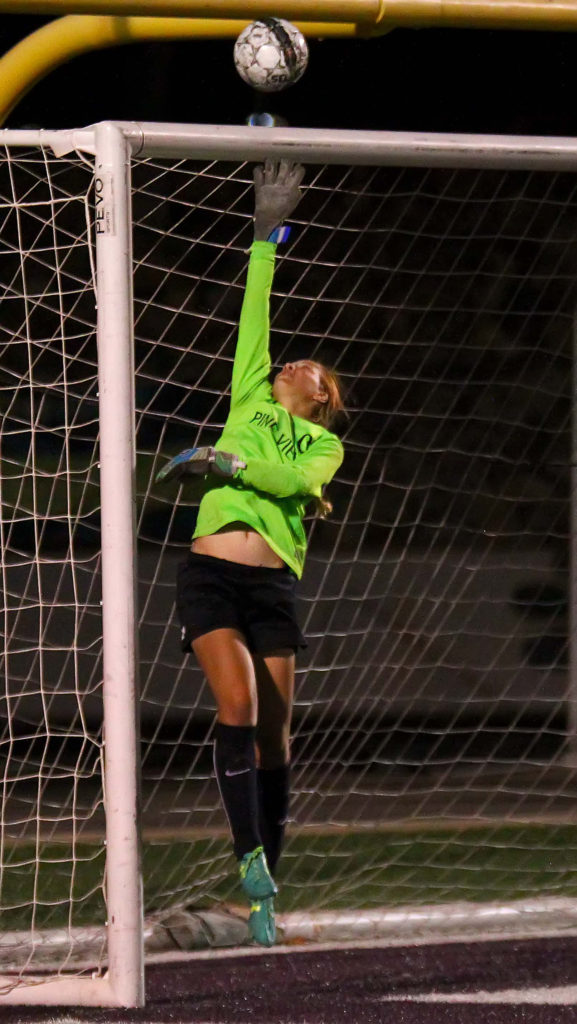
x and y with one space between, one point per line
228 666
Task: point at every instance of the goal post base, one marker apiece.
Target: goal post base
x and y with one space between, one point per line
410 924
36 990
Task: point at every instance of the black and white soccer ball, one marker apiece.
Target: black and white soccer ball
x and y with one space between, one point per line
270 54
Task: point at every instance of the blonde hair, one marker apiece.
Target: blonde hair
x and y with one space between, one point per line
329 410
323 508
325 415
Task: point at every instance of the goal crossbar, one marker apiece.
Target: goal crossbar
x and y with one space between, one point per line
311 145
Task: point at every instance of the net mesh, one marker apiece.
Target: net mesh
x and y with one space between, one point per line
431 721
434 687
50 709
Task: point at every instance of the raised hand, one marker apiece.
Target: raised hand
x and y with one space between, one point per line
277 193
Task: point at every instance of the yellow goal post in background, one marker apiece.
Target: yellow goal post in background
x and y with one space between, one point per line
84 25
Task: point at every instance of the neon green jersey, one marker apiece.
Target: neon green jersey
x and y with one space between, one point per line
288 459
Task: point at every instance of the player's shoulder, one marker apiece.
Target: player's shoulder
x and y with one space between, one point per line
323 438
333 446
336 443
329 435
258 396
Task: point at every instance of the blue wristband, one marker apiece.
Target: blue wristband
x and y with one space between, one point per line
279 234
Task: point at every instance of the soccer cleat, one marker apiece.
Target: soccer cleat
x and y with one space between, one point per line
261 922
255 877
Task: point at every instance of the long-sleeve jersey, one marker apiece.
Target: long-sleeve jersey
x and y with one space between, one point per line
288 459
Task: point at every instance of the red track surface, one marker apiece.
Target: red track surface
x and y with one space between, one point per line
348 986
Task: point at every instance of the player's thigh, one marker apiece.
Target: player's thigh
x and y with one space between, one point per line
227 664
275 674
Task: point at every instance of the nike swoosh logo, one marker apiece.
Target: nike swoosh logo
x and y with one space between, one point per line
241 771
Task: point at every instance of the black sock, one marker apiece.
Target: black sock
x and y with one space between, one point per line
235 767
274 798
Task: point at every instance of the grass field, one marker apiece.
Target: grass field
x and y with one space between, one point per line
322 872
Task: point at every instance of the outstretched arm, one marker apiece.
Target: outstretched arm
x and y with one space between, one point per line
277 192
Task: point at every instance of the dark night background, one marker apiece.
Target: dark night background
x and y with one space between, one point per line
427 80
408 80
416 81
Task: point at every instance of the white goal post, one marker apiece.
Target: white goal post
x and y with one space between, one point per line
100 482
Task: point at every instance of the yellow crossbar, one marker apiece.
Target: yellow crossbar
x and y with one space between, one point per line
53 44
377 15
97 23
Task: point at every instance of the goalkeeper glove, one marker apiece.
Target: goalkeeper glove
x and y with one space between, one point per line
199 462
225 464
277 192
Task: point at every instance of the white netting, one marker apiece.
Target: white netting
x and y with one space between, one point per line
50 743
435 599
434 688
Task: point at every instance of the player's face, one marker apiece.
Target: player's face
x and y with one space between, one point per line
303 378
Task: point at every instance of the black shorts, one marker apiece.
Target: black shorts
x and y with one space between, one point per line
213 593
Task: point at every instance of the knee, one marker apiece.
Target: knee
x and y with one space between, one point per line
239 709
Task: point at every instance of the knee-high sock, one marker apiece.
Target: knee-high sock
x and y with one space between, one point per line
235 767
274 799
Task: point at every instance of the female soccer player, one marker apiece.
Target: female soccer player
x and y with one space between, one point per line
235 592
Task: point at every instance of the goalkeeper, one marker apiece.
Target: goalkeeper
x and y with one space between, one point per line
236 591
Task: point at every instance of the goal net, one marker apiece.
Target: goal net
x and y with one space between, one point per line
434 744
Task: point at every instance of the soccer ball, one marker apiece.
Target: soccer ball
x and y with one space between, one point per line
271 54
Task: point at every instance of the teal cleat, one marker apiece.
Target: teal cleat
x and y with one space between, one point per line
261 923
255 877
